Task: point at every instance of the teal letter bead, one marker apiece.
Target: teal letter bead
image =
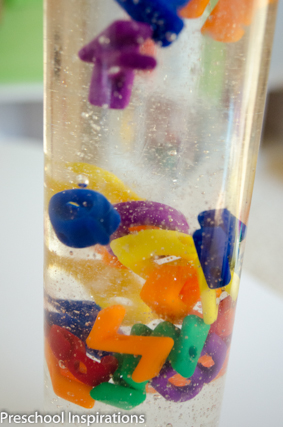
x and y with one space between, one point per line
116 395
188 346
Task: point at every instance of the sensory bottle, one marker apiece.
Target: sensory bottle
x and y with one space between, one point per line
153 115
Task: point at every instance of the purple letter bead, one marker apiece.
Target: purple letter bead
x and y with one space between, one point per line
136 213
172 392
115 55
113 90
214 347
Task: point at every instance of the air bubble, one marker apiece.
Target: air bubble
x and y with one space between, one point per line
114 70
61 364
82 181
170 36
104 40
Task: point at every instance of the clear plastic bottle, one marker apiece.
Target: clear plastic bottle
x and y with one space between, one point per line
185 141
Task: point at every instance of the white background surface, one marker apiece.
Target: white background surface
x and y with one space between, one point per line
254 388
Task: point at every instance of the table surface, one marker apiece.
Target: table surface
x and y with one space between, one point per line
254 386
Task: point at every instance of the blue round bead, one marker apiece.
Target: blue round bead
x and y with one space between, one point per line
82 218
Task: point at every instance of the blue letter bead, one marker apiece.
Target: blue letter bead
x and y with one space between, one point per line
228 222
82 218
213 249
160 15
178 4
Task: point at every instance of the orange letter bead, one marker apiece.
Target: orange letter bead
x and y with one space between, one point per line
194 9
161 291
226 21
66 388
137 252
104 336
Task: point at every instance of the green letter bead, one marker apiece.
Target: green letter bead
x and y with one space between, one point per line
117 376
167 329
116 395
188 346
130 363
141 330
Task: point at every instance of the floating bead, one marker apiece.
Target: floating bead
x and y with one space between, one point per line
167 329
233 287
213 252
208 300
215 348
227 21
105 182
223 326
80 330
215 243
82 218
67 347
104 336
77 328
224 366
194 9
188 342
116 395
223 218
177 4
137 252
124 373
83 311
115 55
66 388
162 291
174 393
135 213
128 362
99 180
77 317
188 346
140 329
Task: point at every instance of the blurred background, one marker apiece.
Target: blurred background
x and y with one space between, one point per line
21 246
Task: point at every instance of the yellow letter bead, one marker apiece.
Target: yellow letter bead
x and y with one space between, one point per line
98 179
233 287
138 251
208 299
154 350
105 182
